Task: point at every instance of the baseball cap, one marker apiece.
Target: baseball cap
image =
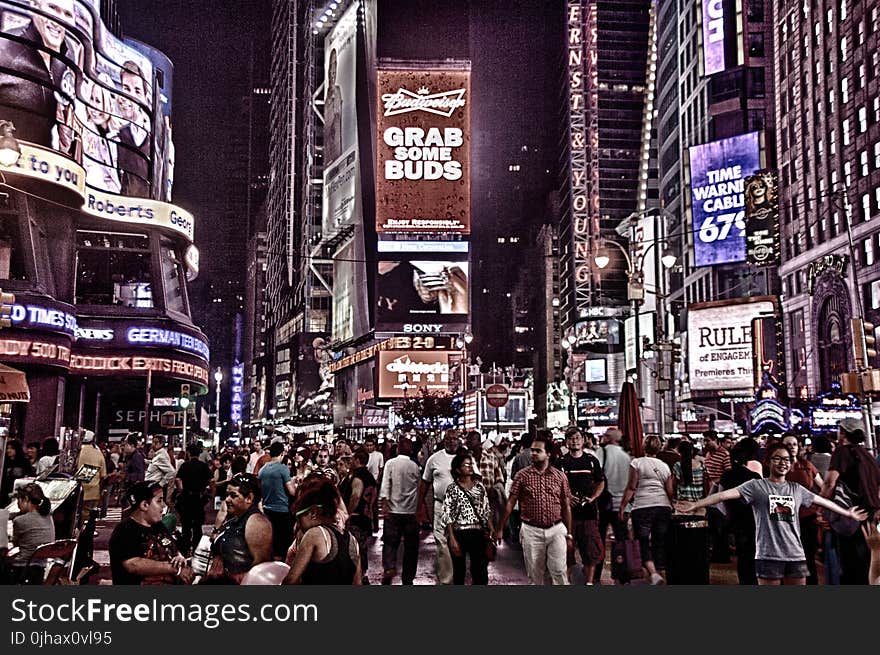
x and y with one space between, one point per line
850 425
88 436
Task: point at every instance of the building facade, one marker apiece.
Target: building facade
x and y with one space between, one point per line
97 256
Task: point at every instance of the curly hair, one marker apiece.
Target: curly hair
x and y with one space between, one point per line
318 491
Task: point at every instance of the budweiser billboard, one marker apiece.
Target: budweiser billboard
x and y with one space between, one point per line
423 151
403 373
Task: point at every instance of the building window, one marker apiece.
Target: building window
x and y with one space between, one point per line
756 82
844 128
756 11
113 268
863 120
11 248
869 252
863 160
847 174
843 48
843 13
831 102
877 155
756 44
866 216
844 90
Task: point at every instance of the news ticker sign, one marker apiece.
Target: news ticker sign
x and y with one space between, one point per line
423 151
56 351
720 348
46 166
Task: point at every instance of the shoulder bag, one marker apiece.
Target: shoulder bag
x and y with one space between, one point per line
491 546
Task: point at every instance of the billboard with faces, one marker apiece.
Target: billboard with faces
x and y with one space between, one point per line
69 84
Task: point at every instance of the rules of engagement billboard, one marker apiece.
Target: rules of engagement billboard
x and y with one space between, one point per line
423 151
719 342
718 172
342 188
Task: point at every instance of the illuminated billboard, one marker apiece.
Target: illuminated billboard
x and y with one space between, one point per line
422 296
713 36
342 188
403 374
762 218
423 151
94 98
720 346
350 309
718 172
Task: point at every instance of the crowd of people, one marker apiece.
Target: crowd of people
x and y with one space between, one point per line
781 505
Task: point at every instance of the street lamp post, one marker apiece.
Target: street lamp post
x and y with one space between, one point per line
636 295
218 378
462 343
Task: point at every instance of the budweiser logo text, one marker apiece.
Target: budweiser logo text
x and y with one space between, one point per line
442 104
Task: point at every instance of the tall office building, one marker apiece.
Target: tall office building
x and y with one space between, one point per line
828 113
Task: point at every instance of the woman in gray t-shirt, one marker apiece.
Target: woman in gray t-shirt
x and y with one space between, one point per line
775 503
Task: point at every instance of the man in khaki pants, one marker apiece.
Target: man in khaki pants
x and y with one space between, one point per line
437 476
91 455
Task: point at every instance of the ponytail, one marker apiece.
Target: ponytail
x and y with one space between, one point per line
44 507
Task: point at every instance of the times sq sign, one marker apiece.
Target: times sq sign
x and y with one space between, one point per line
583 82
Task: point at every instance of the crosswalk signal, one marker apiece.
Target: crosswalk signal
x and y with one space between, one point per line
6 302
184 396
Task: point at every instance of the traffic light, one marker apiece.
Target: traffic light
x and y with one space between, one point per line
6 302
184 396
864 342
676 353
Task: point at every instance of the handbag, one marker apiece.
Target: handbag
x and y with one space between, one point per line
491 547
842 525
605 502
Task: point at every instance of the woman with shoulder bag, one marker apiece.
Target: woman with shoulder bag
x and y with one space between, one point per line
466 517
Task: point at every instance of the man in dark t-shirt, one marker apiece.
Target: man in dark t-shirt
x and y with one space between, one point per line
587 481
142 551
192 482
359 491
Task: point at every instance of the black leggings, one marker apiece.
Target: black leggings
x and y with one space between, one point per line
473 544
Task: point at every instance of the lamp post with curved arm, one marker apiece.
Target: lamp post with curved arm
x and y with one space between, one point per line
636 295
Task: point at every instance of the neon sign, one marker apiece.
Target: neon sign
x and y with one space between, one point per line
159 337
237 387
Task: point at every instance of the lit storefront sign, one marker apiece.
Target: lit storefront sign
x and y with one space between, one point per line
402 374
583 87
720 345
150 336
423 151
237 387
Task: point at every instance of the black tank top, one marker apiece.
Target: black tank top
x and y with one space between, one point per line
231 544
337 567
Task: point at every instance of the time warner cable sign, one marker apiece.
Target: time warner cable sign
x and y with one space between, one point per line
423 153
718 172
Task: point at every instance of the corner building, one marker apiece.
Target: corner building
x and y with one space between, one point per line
97 256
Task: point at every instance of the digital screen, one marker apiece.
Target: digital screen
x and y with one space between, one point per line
594 370
713 36
403 374
601 331
423 151
96 101
422 296
718 172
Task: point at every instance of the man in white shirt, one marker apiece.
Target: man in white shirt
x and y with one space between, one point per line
615 463
375 465
399 498
437 476
160 468
252 460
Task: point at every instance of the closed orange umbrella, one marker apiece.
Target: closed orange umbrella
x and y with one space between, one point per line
630 419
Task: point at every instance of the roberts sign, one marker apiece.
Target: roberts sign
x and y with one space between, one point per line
720 343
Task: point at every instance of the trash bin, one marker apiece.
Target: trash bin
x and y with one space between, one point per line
687 559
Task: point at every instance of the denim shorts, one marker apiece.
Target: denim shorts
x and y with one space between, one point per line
771 569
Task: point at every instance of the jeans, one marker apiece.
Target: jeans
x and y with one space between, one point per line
650 527
832 558
399 527
443 562
473 545
544 551
609 517
810 540
855 558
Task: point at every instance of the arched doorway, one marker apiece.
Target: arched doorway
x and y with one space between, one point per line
832 340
